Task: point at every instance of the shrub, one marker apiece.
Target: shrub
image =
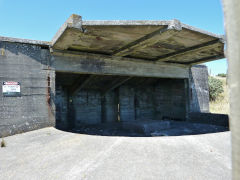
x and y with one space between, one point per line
222 75
215 88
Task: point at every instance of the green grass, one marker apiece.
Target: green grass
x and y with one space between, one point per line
221 105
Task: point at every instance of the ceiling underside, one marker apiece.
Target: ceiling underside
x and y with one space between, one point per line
163 41
104 83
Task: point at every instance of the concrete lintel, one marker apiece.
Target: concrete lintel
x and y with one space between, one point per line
74 21
98 64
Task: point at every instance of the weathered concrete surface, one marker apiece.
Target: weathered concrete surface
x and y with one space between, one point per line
25 41
231 10
106 65
52 154
87 108
168 41
199 90
34 109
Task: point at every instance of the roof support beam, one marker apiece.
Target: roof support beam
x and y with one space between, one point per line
187 50
165 32
115 84
80 84
125 49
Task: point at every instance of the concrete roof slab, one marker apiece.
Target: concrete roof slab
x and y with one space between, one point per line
148 40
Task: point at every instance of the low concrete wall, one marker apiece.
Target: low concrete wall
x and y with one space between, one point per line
209 118
170 99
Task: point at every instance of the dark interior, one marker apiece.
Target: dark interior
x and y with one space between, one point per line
83 99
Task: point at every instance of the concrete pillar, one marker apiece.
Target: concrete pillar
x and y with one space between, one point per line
109 107
144 103
126 102
232 25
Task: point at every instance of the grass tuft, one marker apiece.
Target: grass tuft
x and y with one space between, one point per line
3 143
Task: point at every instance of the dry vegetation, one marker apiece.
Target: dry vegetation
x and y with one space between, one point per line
3 144
221 105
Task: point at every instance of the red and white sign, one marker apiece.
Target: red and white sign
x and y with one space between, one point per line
11 88
10 83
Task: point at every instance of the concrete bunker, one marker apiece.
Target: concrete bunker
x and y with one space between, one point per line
108 72
89 99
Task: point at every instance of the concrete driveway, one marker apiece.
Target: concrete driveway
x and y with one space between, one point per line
53 154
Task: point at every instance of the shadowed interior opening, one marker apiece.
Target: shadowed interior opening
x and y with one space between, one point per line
85 99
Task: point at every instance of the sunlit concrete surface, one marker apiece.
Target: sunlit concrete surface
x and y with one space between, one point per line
52 154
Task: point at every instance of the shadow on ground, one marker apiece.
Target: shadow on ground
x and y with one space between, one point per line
149 129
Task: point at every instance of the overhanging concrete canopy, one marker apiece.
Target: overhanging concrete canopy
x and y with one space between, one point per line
159 41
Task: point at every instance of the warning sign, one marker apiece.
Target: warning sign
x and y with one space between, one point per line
11 88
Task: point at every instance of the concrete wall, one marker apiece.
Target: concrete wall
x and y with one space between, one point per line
87 108
27 64
110 107
126 103
199 92
170 99
145 103
31 65
209 118
61 103
165 100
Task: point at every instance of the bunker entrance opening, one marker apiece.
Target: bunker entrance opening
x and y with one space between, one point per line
88 99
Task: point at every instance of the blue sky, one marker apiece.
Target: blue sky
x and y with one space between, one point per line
40 20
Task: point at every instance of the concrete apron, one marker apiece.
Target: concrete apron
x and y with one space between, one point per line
148 128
